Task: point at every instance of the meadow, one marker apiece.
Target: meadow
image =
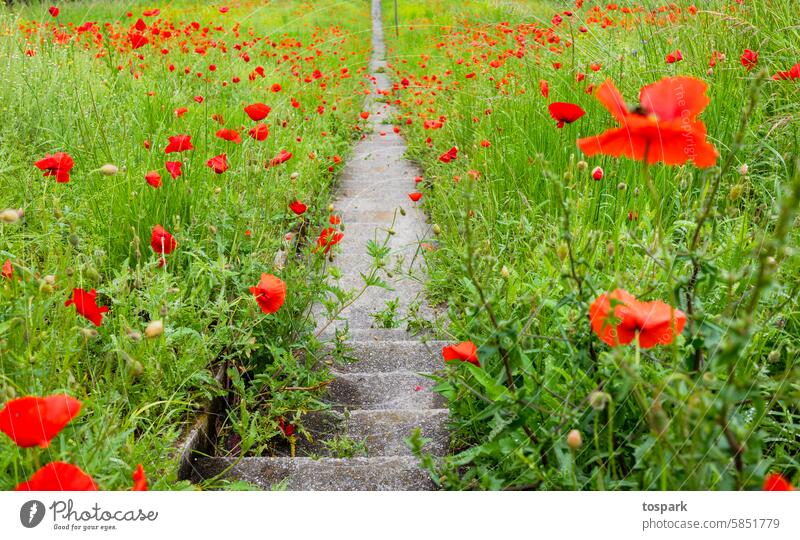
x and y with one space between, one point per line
623 261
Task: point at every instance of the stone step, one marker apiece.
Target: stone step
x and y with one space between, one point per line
384 390
384 356
370 334
382 432
390 473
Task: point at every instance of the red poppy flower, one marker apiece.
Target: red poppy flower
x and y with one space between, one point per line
230 135
34 421
449 156
544 88
466 351
675 56
776 482
663 128
298 208
260 132
153 178
328 238
139 479
224 9
365 114
415 196
7 271
180 111
276 87
179 143
286 428
257 111
282 157
749 59
173 168
54 11
138 40
270 293
58 476
654 322
219 164
565 113
58 165
86 305
792 74
161 241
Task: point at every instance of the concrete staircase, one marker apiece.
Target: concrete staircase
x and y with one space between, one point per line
382 398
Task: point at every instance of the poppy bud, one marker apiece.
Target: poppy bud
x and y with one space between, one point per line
134 367
7 393
773 357
57 213
610 249
217 191
567 175
331 208
154 329
636 192
436 229
597 173
735 192
598 400
390 230
50 279
133 335
163 310
582 166
74 240
109 170
45 288
562 251
91 273
659 421
504 272
743 169
89 333
402 211
574 439
622 186
9 216
295 175
212 229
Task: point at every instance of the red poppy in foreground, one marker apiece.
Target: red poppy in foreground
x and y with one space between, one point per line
449 156
161 241
565 113
298 208
654 322
749 59
466 351
792 74
329 238
270 293
179 143
260 132
58 165
86 305
663 128
139 479
282 157
58 476
7 270
34 421
153 178
54 11
776 482
218 164
257 111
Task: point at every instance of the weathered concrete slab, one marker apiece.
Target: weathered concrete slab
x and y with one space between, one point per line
381 356
383 390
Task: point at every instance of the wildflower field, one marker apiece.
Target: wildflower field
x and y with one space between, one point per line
611 190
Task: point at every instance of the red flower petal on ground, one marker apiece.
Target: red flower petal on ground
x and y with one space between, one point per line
329 238
153 178
139 479
161 241
219 164
260 132
173 168
776 482
270 293
655 322
179 143
466 351
257 111
86 305
565 113
35 421
58 165
58 476
298 208
449 156
230 135
664 128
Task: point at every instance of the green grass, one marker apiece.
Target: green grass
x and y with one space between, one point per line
94 232
524 249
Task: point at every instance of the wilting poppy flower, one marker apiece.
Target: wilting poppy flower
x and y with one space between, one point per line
651 321
230 135
298 208
34 421
749 59
565 113
282 157
58 165
664 127
58 476
270 293
173 168
597 173
415 196
179 143
776 482
449 156
161 241
139 479
53 10
153 178
286 428
86 305
7 271
328 238
466 351
792 74
257 111
260 132
219 164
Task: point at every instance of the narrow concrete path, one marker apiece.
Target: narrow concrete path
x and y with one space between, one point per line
379 400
